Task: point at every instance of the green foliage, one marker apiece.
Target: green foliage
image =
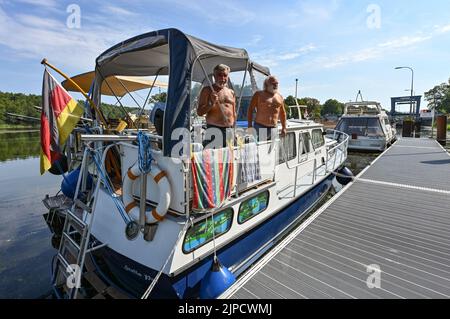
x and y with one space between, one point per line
160 97
290 100
332 106
23 104
18 103
439 97
115 111
313 105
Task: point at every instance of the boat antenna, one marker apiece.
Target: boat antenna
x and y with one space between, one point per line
359 94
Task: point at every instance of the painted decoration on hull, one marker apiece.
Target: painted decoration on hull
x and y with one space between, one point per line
202 232
253 207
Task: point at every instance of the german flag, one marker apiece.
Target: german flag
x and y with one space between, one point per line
60 114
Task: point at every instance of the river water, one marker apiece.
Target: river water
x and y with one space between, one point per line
25 240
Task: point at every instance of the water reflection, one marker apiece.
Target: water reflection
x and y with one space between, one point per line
25 241
19 144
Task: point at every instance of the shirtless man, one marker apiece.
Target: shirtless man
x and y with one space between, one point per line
218 105
269 105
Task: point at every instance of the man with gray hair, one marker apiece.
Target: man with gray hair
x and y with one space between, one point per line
218 104
269 106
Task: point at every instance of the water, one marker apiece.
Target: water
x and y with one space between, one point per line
25 241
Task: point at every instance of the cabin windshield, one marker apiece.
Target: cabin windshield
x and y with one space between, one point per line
360 126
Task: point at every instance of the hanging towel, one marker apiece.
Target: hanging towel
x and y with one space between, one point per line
249 163
212 176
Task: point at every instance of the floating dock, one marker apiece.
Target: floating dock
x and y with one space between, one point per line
385 235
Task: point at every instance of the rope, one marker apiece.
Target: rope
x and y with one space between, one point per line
106 182
155 280
144 153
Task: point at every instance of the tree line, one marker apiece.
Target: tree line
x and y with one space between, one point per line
24 104
315 109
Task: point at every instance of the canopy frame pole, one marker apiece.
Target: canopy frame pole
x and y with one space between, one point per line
150 91
241 94
128 92
120 103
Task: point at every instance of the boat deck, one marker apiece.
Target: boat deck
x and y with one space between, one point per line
392 221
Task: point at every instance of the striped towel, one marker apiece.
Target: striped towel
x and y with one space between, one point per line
249 163
212 176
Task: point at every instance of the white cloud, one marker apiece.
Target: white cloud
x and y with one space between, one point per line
119 11
443 29
255 40
37 22
43 3
272 58
404 42
305 13
33 37
374 52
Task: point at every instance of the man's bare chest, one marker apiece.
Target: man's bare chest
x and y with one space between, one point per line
273 103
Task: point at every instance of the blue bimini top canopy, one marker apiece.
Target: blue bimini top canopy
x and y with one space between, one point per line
173 53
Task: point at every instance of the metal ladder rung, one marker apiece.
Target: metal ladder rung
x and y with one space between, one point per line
82 205
64 263
72 241
76 219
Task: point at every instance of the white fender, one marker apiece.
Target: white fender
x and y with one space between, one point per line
131 207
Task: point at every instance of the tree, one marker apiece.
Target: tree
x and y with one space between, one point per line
160 97
290 100
439 97
332 106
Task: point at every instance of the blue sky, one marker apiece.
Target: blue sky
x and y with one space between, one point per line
334 47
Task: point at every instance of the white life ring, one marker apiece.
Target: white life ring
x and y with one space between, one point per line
131 207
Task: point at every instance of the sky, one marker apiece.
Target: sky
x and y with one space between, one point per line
333 47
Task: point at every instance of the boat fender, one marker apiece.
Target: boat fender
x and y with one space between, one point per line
344 176
216 281
69 183
132 208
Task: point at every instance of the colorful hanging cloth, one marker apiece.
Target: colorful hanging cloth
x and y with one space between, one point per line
212 175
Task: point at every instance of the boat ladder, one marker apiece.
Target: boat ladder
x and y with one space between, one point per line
75 242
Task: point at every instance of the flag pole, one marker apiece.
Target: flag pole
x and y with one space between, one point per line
102 119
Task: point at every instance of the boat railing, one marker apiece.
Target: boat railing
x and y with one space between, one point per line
115 138
342 140
342 145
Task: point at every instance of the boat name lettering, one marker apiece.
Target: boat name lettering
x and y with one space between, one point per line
137 273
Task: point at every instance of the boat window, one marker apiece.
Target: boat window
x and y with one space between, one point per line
374 127
353 126
305 143
202 232
287 150
317 138
293 113
361 126
386 121
253 206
